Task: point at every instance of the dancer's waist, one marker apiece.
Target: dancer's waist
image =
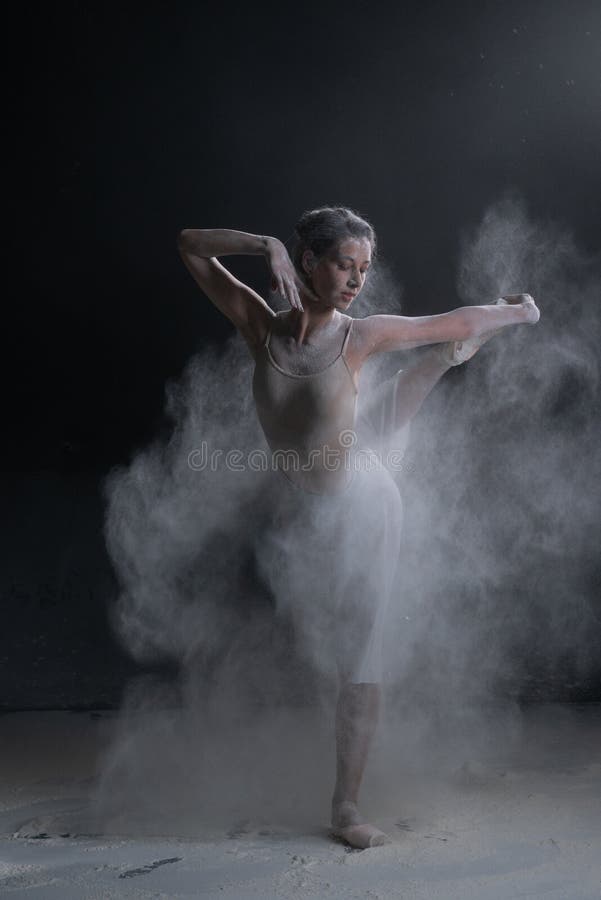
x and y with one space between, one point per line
326 468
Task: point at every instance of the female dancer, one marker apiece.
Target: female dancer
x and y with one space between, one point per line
331 554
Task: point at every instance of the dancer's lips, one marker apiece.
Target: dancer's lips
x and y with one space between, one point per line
347 295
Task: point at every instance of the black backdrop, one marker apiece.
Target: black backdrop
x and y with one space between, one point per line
132 122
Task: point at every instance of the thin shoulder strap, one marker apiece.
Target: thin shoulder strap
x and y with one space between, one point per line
346 337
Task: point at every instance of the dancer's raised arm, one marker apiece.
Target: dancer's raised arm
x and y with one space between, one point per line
381 334
243 306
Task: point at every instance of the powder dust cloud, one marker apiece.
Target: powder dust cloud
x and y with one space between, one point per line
499 485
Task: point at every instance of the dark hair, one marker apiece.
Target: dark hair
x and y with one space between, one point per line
319 230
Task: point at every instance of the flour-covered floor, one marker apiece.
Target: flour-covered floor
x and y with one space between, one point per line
520 818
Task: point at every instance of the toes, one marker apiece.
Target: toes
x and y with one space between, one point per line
380 839
362 836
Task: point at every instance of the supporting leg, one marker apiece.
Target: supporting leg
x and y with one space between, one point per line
356 719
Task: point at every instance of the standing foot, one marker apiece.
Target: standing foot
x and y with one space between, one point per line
347 825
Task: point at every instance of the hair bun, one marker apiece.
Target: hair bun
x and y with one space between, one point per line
319 229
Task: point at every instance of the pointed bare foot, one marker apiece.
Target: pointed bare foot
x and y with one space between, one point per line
347 824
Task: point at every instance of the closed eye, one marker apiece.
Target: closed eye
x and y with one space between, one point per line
347 269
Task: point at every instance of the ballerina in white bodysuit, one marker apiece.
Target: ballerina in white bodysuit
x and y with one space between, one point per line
331 552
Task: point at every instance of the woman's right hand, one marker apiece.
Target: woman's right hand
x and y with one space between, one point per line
284 278
528 304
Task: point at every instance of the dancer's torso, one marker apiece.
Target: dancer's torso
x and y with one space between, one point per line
308 419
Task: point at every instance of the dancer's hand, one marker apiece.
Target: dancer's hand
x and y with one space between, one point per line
456 352
284 277
527 302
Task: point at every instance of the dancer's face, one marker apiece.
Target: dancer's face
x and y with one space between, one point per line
339 275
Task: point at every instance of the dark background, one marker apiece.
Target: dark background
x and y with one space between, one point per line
130 123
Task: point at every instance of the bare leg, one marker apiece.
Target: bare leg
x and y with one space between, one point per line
356 719
413 385
399 398
395 401
358 705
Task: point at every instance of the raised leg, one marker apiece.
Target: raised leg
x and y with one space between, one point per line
395 401
412 385
398 399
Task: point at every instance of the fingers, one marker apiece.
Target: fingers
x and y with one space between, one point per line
294 295
288 291
283 278
517 298
510 299
305 288
533 311
527 302
297 297
286 281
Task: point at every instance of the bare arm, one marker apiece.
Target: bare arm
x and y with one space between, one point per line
380 334
244 307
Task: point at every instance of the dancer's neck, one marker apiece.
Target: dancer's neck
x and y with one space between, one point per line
313 318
